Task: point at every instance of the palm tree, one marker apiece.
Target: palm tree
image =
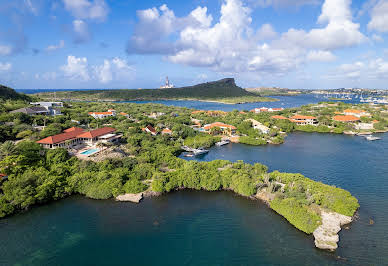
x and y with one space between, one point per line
7 148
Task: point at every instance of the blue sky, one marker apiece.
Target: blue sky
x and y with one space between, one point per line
305 44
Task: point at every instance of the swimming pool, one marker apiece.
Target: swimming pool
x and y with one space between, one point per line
89 152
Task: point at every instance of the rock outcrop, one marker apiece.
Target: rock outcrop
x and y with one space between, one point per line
136 198
326 235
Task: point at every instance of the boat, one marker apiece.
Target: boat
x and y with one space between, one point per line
371 138
200 152
189 155
223 142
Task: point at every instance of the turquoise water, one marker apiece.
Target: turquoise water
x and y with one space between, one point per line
214 228
88 152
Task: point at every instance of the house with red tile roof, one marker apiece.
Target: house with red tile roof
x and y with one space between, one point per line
346 118
166 131
303 120
355 112
280 117
102 115
76 136
150 129
225 128
3 177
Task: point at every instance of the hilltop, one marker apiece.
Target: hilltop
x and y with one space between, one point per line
7 93
224 90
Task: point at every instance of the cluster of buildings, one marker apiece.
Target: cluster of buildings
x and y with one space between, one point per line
150 129
41 108
301 120
265 109
109 113
75 136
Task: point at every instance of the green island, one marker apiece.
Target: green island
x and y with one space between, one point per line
106 150
222 91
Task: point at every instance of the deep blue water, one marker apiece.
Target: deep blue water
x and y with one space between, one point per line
214 228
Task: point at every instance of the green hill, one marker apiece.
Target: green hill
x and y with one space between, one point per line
7 93
224 90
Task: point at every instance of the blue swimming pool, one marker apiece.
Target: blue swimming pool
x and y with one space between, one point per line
89 152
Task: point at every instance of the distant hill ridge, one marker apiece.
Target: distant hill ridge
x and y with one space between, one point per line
7 93
224 88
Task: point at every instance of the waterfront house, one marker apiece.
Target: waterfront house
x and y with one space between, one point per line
264 109
75 136
166 131
346 118
259 126
364 126
150 129
102 115
279 117
303 120
224 128
355 112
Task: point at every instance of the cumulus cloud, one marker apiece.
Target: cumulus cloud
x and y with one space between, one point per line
76 68
340 31
81 31
5 49
84 9
111 70
379 18
374 69
232 45
115 69
5 67
321 56
52 48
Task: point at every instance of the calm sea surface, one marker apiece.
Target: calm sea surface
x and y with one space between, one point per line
214 228
219 228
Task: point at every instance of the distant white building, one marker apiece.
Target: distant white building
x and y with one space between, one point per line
102 115
259 126
51 107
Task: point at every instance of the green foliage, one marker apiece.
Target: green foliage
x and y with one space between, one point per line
201 141
298 214
252 141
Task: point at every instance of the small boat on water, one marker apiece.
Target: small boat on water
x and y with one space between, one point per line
223 142
189 155
371 138
199 152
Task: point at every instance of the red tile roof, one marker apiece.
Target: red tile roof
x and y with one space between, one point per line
302 117
72 129
278 117
219 124
69 135
166 131
100 113
3 175
97 132
354 111
346 118
150 129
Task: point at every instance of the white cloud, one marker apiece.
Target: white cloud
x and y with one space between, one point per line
84 9
51 48
81 31
5 49
111 70
47 76
115 69
231 45
320 56
5 67
340 31
374 69
266 32
76 68
379 17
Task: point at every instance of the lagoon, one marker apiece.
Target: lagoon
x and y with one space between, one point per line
214 228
